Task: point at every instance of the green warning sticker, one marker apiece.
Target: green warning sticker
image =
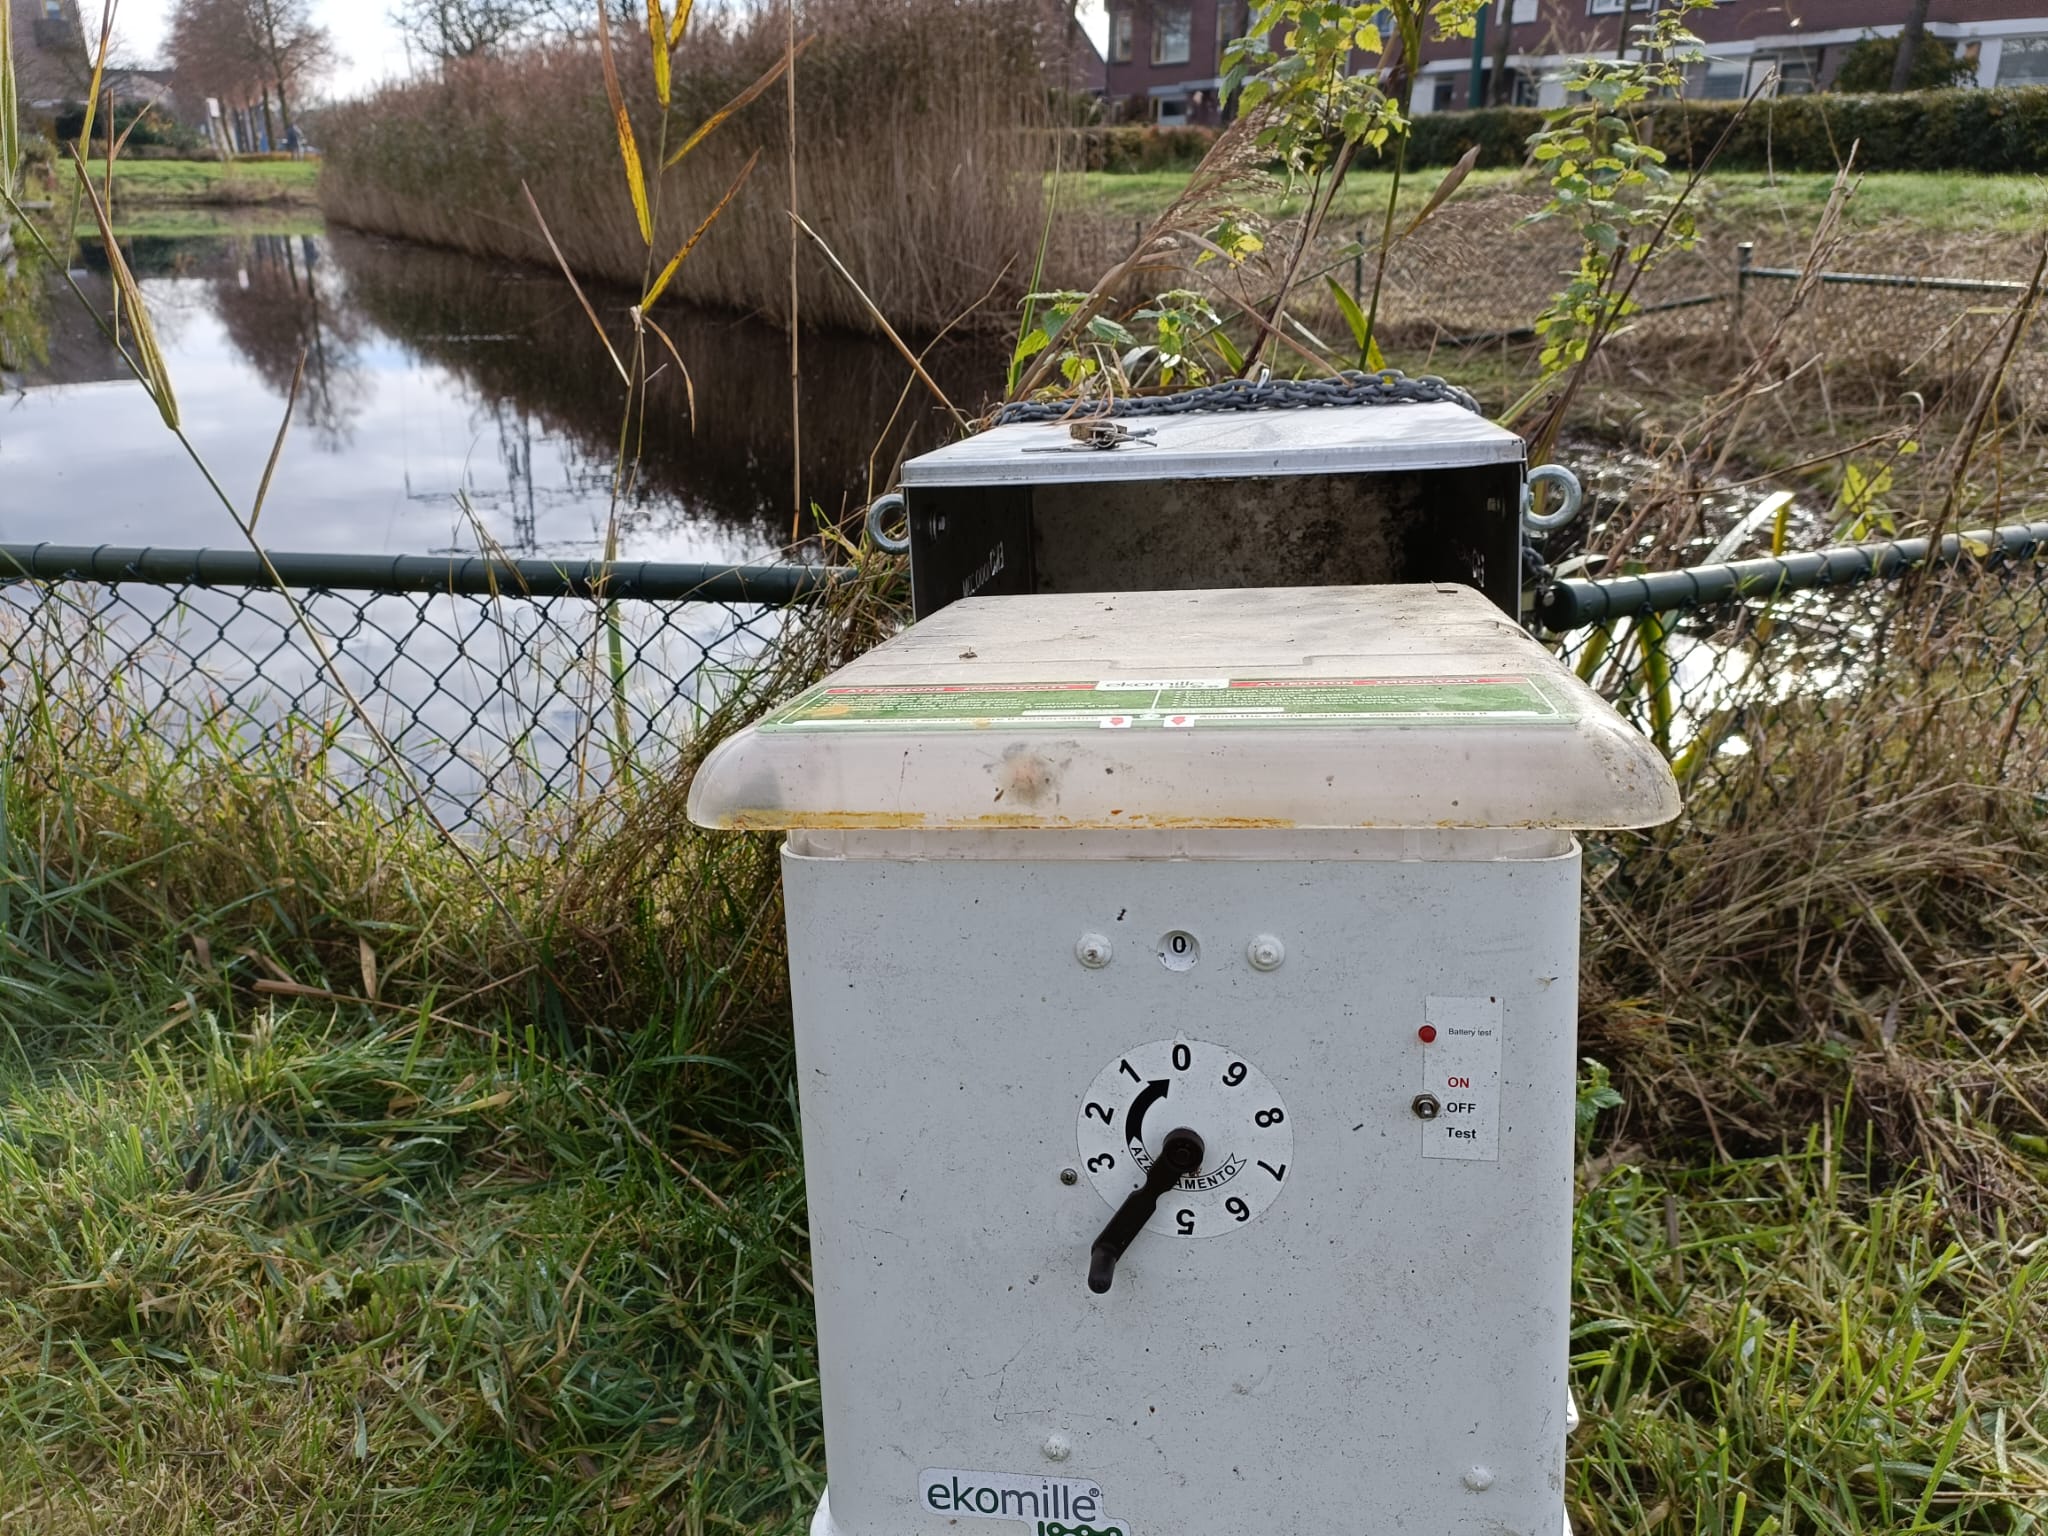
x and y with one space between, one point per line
1146 704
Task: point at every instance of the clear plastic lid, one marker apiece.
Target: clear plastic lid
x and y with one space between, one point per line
1309 707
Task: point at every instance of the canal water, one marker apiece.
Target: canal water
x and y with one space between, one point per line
448 404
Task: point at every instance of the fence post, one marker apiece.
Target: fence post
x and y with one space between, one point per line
1358 272
1745 255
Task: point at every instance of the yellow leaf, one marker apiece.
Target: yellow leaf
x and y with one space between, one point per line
675 28
656 288
711 123
657 37
629 147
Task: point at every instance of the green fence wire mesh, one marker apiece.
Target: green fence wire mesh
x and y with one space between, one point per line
515 683
496 683
1850 666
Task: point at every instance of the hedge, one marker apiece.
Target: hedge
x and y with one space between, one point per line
1958 130
1139 147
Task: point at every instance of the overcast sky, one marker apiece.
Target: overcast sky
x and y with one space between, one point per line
362 30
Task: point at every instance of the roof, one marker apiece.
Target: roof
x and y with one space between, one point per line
1416 707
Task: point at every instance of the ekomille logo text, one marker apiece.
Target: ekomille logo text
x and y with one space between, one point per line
1058 1506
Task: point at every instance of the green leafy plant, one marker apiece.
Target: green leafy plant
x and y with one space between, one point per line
1612 186
1293 75
1596 1095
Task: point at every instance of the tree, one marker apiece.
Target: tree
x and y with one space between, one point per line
242 51
1500 95
1871 66
1910 38
463 29
290 48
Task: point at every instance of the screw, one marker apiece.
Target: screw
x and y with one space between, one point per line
1093 951
1058 1447
1265 953
1069 1176
1426 1106
1479 1479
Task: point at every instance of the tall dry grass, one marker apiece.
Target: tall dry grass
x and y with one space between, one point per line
916 160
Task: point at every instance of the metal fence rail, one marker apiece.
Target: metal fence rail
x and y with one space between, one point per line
464 576
513 684
1824 672
499 682
1572 604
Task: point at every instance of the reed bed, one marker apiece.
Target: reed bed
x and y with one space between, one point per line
916 160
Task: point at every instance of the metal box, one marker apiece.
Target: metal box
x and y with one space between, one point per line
1324 496
1241 926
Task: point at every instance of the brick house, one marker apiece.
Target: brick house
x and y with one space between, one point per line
1164 55
1164 62
52 72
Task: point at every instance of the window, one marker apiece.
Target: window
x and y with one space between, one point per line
53 10
1795 68
1173 33
1121 22
1716 79
1609 7
1226 28
2023 61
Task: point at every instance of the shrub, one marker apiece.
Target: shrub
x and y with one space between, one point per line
1954 130
1870 63
1141 147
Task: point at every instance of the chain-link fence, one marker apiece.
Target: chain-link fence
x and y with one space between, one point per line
509 683
1865 669
495 682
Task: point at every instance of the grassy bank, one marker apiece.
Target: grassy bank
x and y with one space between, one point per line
1943 203
164 184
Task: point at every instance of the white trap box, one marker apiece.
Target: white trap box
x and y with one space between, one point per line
1185 994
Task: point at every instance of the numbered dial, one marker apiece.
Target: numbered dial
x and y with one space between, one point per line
1216 1093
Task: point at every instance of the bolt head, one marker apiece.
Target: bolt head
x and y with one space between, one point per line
1479 1479
1265 952
1058 1447
1093 950
1070 1176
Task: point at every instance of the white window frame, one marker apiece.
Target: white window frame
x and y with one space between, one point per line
2006 53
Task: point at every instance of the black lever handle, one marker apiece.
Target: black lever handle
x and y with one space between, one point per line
1180 1155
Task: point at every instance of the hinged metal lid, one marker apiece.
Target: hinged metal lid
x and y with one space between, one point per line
1326 440
1312 707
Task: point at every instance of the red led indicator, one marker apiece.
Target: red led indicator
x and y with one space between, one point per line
1426 1034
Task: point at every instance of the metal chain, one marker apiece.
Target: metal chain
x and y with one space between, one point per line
1389 386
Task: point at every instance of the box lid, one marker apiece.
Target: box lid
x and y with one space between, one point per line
1214 445
1309 707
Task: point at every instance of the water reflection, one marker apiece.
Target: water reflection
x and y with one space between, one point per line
444 404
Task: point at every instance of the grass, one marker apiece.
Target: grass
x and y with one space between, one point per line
277 1265
1934 204
210 183
151 221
